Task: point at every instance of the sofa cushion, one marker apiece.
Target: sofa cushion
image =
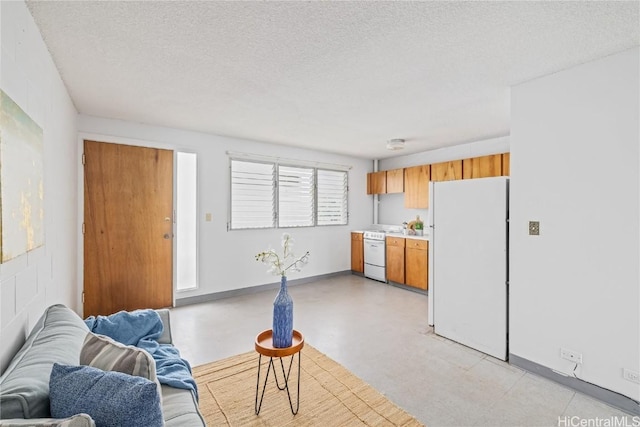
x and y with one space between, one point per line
110 398
180 408
78 420
107 354
24 387
166 337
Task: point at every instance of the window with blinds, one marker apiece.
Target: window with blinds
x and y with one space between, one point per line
332 197
268 195
295 196
252 195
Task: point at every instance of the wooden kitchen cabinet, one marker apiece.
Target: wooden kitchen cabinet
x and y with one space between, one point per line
416 187
395 259
395 181
357 252
506 164
482 167
416 263
446 171
377 182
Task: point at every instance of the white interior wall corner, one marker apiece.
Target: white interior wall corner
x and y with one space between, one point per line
575 168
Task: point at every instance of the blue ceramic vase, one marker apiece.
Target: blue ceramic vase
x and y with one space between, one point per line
282 317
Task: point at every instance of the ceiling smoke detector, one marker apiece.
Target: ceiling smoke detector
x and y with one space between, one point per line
395 144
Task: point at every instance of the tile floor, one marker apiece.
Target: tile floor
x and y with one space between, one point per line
380 333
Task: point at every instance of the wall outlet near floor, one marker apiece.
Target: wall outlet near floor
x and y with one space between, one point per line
629 375
572 356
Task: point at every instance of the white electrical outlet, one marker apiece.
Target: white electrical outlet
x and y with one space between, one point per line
629 375
571 355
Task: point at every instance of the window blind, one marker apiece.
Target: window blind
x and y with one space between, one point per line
252 195
332 190
295 196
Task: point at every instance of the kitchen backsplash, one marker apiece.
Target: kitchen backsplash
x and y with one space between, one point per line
392 211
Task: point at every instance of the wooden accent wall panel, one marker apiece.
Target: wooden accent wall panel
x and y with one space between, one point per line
446 171
416 187
395 181
482 167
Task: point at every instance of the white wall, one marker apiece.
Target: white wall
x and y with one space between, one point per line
227 258
391 206
575 168
47 275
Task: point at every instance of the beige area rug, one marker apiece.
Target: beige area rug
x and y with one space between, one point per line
330 395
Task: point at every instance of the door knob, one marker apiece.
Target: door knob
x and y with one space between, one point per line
166 236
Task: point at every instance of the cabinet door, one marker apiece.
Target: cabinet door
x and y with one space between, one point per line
416 260
395 181
446 171
395 259
416 187
377 182
357 252
482 167
506 164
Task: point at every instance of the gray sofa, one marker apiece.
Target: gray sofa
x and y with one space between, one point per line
58 338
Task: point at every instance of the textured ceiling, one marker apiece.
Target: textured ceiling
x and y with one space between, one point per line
342 77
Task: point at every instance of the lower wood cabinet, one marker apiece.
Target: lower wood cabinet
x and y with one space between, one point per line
395 259
416 263
357 252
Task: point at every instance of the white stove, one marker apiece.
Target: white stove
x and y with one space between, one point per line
374 235
375 255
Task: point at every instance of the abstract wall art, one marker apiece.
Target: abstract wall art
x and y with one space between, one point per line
21 181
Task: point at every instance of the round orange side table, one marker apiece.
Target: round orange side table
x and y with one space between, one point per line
264 347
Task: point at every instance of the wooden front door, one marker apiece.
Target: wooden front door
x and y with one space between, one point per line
128 228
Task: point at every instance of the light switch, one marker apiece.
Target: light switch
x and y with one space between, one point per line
207 216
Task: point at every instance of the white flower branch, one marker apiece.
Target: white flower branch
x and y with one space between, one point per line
277 263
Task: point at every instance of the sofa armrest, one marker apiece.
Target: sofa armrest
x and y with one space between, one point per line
79 420
165 338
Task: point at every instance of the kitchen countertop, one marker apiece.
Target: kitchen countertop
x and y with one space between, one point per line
399 234
409 236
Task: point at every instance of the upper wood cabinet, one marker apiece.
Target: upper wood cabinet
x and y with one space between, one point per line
482 167
414 181
377 182
446 171
395 181
416 187
506 164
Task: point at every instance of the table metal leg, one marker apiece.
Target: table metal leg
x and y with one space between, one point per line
285 386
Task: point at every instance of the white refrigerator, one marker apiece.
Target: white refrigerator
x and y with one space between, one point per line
468 262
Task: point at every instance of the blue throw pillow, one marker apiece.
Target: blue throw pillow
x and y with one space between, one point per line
110 398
